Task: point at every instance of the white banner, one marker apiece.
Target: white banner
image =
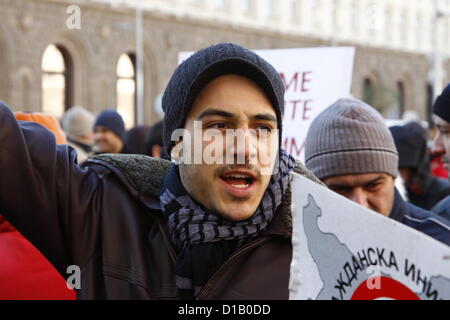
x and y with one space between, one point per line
314 78
344 251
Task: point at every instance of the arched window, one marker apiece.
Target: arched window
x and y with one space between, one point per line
126 89
295 10
388 24
400 98
354 16
57 75
368 91
246 6
269 9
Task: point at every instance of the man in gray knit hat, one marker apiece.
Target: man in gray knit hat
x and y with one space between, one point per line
77 123
350 148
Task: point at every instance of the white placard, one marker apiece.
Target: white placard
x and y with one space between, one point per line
344 251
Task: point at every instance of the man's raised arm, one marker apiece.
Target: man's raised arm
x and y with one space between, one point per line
45 194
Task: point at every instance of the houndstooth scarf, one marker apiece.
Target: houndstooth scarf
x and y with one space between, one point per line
204 239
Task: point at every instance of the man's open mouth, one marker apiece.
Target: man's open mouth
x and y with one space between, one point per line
238 180
239 183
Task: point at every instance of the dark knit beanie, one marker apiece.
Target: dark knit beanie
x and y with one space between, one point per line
411 143
350 137
113 121
441 106
193 74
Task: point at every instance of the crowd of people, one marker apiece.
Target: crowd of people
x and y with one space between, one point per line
143 223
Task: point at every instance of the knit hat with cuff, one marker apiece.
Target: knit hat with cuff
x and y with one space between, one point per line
350 137
113 121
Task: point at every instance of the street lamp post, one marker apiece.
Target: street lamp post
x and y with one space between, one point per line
139 67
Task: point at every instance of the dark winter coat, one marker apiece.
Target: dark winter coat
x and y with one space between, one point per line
420 219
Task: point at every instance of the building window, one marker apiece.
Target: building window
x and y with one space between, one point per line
400 98
220 4
269 10
368 91
295 11
404 28
388 25
57 75
355 17
316 15
247 6
193 2
126 89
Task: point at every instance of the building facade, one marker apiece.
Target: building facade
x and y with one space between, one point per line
49 61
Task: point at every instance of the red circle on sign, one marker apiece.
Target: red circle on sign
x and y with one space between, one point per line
389 288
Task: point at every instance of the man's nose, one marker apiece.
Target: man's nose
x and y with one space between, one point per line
438 147
245 146
359 196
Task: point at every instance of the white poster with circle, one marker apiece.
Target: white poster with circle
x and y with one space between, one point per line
343 251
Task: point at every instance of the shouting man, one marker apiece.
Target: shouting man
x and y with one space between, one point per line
144 228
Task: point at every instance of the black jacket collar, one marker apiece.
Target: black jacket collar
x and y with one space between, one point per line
399 207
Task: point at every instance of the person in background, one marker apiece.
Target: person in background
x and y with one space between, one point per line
77 123
436 164
155 144
441 142
350 149
422 187
48 121
109 133
25 274
136 140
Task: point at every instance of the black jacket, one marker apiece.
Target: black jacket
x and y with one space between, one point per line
422 220
423 189
435 190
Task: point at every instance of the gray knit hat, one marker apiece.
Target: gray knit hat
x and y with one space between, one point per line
204 66
350 137
77 122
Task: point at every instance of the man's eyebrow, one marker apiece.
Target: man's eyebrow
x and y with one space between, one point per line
265 116
214 112
377 179
338 185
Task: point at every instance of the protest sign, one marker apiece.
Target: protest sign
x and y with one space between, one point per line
344 251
